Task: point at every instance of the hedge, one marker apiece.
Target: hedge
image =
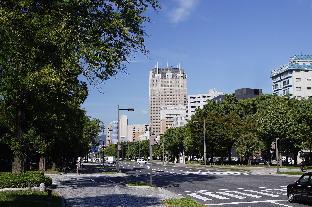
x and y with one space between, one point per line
22 180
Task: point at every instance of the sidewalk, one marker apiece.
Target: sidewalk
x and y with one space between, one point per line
95 190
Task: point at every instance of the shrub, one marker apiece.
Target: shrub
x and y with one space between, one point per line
22 180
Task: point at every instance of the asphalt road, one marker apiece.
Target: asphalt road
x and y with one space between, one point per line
214 187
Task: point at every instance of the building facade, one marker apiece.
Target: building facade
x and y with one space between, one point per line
170 115
245 93
138 132
167 87
199 100
111 133
294 79
123 126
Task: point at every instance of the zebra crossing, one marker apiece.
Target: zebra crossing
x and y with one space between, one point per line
188 171
203 172
239 195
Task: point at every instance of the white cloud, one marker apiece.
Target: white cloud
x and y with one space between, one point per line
183 10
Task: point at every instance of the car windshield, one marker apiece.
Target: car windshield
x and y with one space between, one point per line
304 179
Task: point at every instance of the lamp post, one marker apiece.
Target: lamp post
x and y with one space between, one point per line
277 156
118 134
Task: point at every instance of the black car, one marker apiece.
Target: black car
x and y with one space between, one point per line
301 189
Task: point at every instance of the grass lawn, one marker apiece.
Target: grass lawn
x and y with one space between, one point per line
141 183
28 199
182 202
290 173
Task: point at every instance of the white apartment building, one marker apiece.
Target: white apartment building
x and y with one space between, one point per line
123 126
167 87
138 132
199 100
169 116
295 78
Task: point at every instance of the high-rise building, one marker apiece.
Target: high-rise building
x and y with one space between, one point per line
199 100
167 87
295 78
123 128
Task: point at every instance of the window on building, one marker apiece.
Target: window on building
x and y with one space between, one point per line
309 88
298 79
309 79
298 88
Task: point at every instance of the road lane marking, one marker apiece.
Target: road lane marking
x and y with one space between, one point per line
245 194
194 195
284 190
224 189
249 202
240 188
262 193
262 187
214 195
231 195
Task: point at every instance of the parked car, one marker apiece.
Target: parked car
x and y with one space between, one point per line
141 161
301 189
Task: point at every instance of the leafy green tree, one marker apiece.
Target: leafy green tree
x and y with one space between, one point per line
52 43
111 150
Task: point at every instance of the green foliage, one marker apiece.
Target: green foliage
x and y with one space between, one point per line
111 150
22 180
182 202
29 198
138 149
250 126
46 47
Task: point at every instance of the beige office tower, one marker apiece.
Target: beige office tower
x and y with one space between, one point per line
167 87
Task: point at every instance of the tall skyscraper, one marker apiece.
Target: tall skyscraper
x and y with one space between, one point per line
295 78
167 87
123 128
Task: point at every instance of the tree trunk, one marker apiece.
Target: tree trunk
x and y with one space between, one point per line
230 154
18 164
53 166
42 163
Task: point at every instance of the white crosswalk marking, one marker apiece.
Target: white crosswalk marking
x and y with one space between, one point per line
231 195
194 195
284 190
245 194
262 193
214 195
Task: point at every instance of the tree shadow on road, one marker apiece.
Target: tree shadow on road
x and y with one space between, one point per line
111 200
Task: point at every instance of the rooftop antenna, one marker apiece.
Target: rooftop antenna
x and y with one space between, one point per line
167 65
157 67
179 66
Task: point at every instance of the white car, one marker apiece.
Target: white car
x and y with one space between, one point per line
141 161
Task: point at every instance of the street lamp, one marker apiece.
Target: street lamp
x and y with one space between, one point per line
118 135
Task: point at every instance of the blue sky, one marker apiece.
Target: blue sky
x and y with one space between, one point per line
222 44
